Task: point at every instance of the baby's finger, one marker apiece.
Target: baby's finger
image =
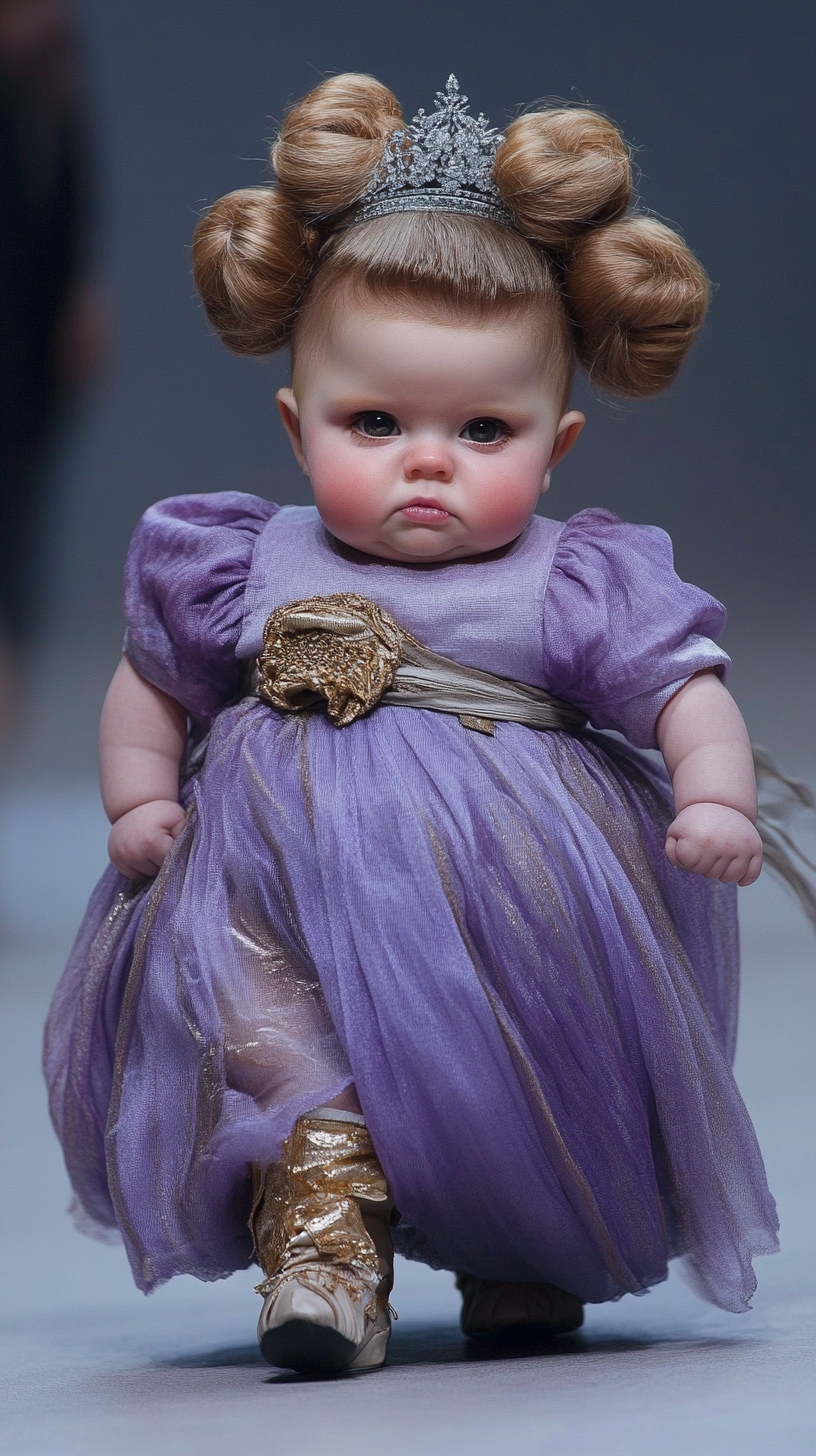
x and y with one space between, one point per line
731 869
153 854
753 872
736 869
133 867
727 866
148 867
125 867
690 854
706 860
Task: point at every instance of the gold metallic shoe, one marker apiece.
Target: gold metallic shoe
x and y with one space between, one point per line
494 1307
321 1221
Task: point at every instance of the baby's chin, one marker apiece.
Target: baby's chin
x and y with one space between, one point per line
423 546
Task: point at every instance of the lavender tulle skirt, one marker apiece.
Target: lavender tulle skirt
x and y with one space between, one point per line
484 935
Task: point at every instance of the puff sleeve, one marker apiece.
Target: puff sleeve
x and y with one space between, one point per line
185 576
622 632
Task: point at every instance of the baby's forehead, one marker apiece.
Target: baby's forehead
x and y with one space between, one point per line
365 334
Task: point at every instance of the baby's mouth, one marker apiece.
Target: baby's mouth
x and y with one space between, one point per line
425 512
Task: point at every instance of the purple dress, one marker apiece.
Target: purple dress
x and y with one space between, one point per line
484 934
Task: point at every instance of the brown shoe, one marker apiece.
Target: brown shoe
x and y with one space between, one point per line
321 1221
492 1306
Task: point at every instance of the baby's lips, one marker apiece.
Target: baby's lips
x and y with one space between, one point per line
425 511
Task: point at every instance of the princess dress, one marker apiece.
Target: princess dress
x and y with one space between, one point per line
481 932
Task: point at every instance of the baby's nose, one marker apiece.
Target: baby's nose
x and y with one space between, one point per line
428 461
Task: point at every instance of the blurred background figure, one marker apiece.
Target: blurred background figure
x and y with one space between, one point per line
52 325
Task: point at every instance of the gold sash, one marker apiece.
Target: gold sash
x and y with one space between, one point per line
346 651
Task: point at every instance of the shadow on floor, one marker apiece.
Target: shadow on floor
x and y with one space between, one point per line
421 1344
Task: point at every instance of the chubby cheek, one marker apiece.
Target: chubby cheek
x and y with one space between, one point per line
503 506
345 497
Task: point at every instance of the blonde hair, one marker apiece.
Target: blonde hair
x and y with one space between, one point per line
620 292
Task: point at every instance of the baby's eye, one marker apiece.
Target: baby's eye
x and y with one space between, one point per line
484 432
377 425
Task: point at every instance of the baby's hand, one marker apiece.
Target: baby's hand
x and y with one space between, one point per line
717 842
140 841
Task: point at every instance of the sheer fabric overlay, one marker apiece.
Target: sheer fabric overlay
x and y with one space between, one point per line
539 1013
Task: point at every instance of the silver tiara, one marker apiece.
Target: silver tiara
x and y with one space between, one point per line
440 163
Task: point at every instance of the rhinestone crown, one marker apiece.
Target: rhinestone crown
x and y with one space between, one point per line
440 163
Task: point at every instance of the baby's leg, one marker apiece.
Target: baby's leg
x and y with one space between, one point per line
321 1221
321 1215
280 1045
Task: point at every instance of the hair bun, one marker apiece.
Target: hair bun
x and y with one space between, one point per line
332 141
638 296
250 265
561 172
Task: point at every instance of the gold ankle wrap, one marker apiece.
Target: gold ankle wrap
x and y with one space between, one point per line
329 1185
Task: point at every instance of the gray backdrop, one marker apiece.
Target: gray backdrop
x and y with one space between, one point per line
714 98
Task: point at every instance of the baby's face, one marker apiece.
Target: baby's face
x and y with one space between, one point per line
426 441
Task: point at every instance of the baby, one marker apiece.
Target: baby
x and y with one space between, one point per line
460 978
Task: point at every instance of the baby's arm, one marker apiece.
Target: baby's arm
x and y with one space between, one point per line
141 739
708 754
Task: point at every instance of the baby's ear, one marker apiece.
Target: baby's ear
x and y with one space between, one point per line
569 428
290 414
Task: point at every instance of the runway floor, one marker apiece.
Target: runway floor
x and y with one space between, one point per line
89 1366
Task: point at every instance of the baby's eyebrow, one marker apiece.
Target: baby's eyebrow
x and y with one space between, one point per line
360 402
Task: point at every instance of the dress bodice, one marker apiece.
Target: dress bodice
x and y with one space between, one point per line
485 614
592 609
